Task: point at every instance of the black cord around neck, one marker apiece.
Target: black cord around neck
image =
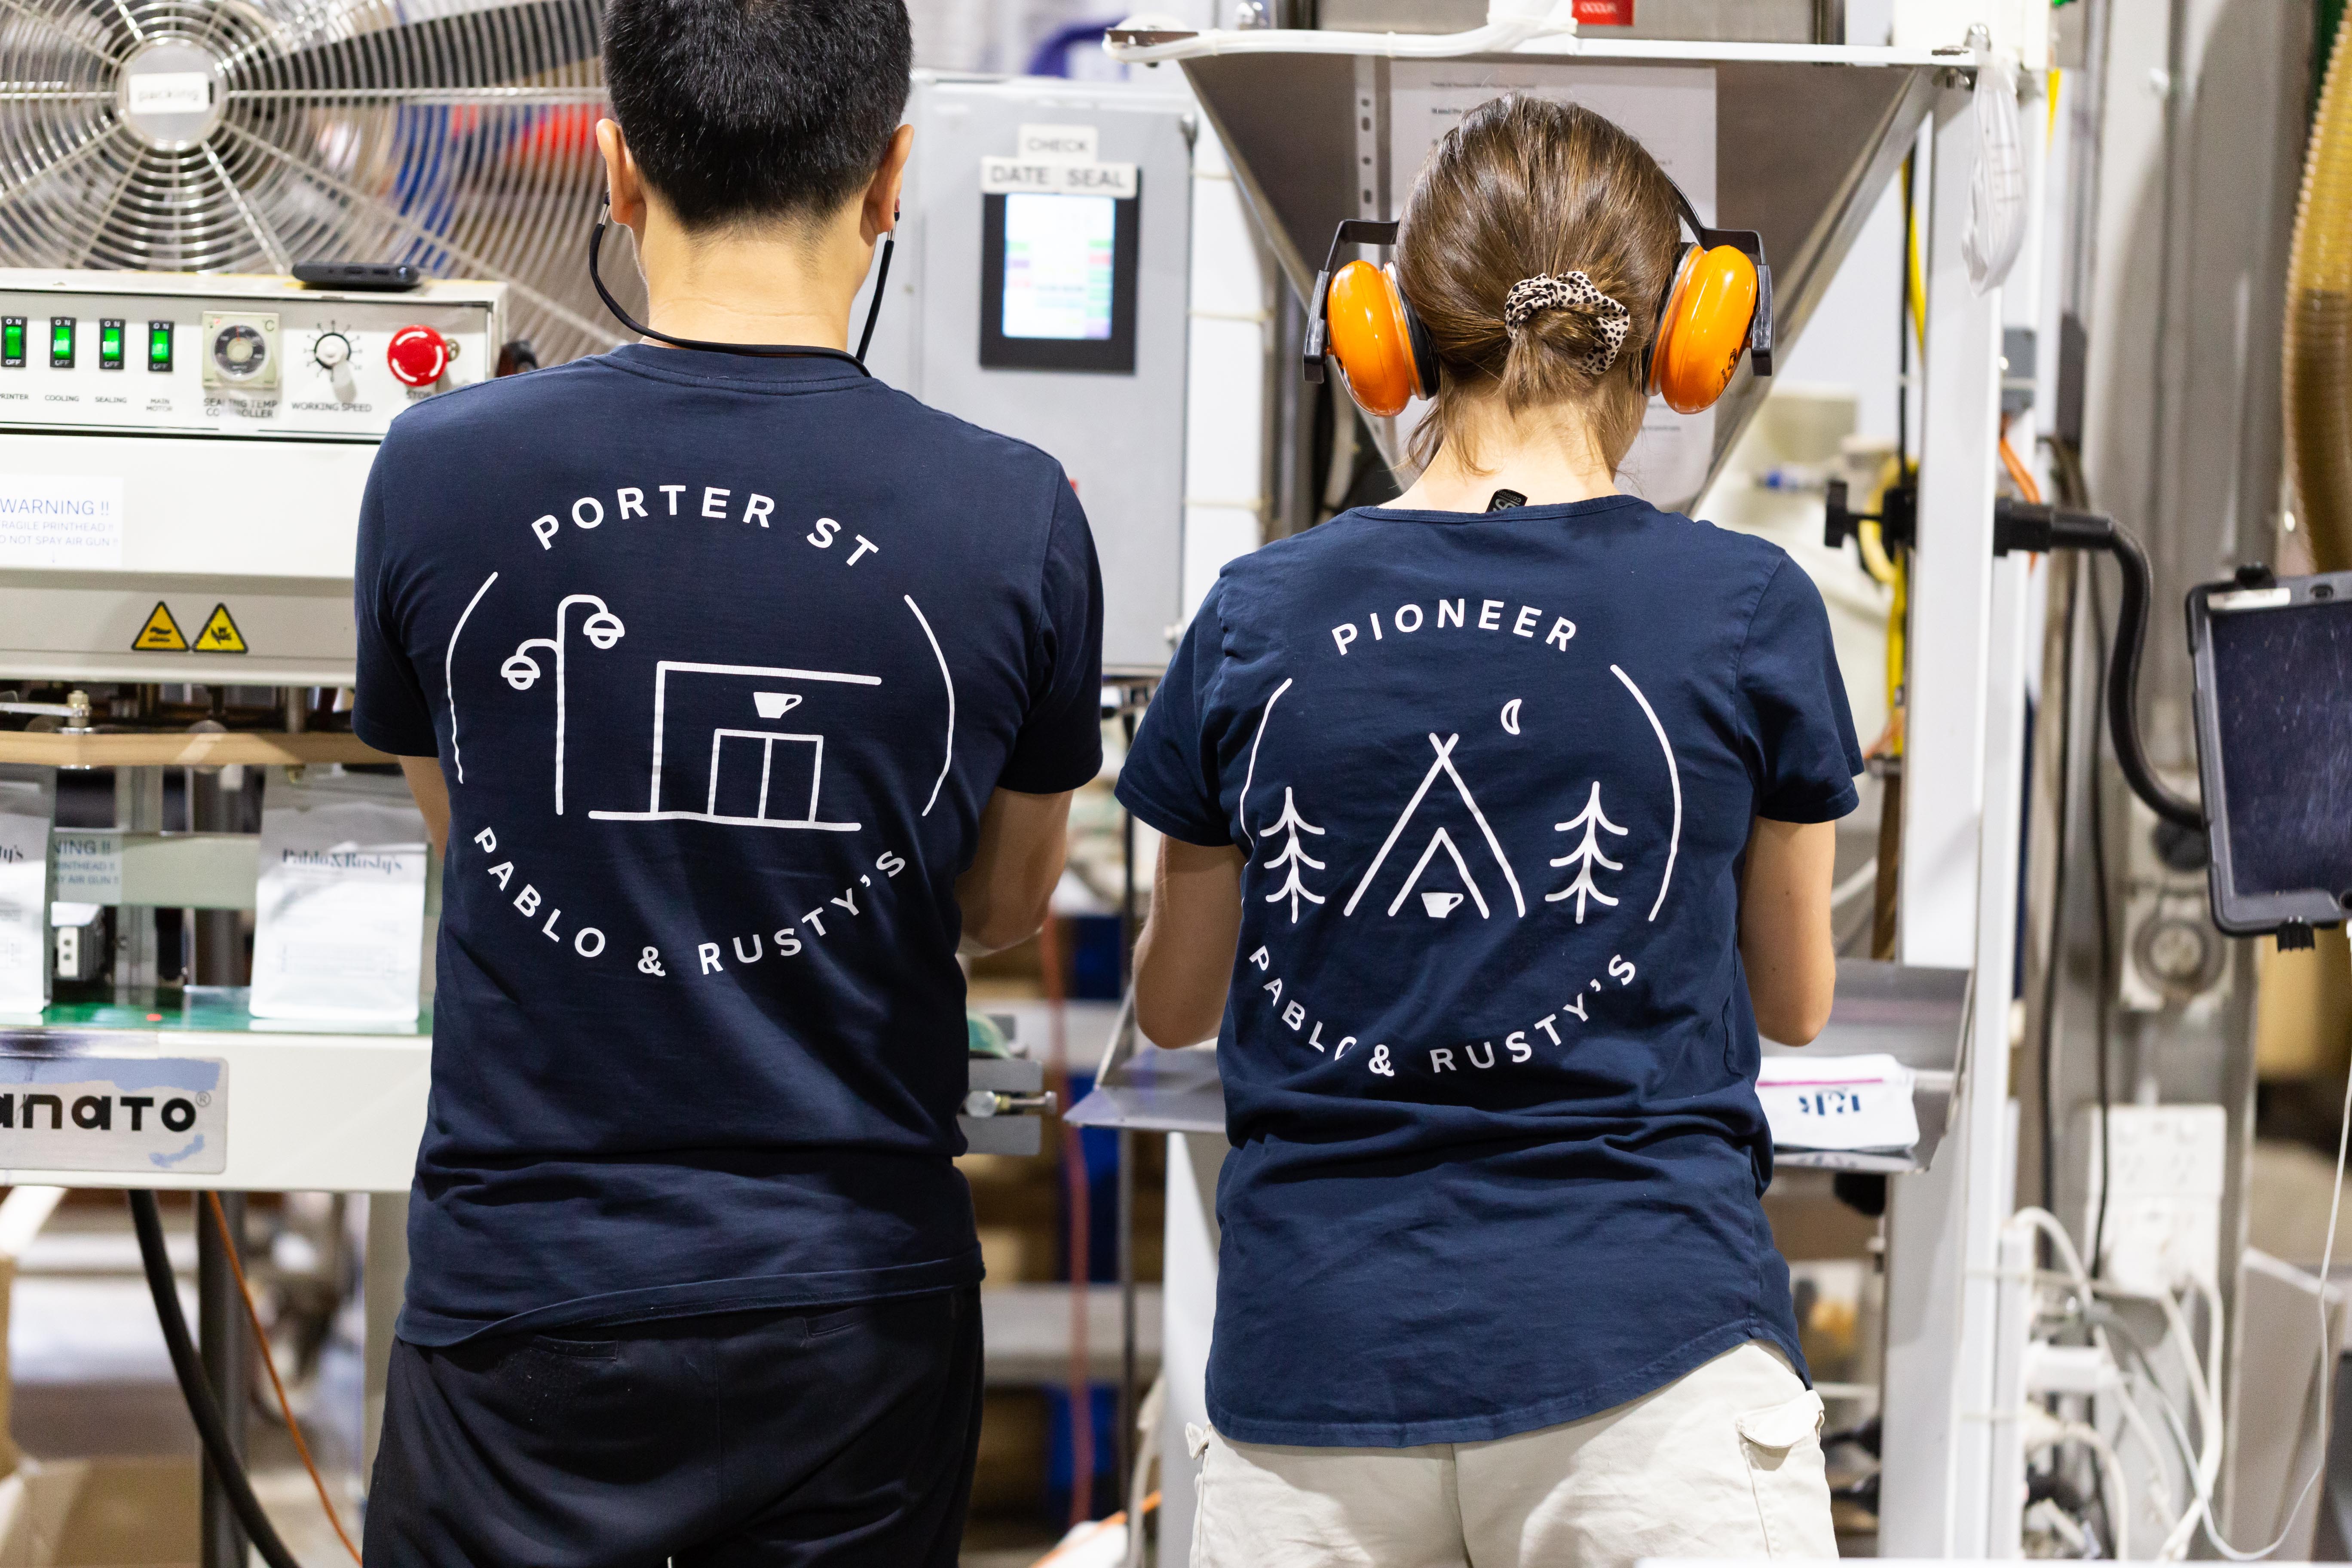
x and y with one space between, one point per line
754 350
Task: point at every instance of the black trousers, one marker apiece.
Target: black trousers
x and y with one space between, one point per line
838 1438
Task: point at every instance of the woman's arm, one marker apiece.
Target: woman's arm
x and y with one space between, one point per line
1785 942
1184 960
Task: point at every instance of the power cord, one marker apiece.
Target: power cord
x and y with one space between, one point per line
204 1409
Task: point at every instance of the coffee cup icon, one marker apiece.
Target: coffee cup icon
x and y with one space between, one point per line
1441 905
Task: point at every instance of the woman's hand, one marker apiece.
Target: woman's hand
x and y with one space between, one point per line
1184 960
1785 942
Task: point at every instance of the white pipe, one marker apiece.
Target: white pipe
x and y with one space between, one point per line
1509 24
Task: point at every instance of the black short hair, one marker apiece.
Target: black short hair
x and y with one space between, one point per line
751 110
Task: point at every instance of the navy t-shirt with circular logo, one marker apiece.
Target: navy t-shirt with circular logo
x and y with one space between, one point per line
1489 1058
722 658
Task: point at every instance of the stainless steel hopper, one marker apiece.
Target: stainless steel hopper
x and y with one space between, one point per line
1805 138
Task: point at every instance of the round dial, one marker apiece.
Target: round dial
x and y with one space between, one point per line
418 356
240 350
332 350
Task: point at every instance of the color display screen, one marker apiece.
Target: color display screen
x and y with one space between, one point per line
1059 266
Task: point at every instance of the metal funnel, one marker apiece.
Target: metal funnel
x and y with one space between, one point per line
1802 146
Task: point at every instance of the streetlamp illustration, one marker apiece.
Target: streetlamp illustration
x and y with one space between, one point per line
603 628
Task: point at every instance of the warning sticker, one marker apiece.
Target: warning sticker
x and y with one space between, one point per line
220 634
161 634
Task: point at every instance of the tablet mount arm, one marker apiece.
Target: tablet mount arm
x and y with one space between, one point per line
2018 525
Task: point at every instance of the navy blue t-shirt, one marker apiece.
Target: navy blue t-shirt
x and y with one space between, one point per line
1489 1058
722 658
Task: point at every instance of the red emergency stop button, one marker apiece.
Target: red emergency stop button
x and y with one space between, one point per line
419 356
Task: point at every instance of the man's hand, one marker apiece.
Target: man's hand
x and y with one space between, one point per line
432 793
1008 892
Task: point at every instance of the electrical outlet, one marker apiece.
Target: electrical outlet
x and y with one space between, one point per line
2164 1216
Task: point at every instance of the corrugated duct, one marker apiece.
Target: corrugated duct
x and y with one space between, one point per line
2318 358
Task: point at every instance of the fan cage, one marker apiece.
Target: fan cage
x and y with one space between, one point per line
457 138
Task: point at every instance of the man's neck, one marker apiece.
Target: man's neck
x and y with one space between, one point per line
776 286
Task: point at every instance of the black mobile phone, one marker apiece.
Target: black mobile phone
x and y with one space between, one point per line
379 276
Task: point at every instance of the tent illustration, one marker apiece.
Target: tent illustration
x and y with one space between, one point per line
1438 903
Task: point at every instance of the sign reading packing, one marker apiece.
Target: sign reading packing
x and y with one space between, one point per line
145 1114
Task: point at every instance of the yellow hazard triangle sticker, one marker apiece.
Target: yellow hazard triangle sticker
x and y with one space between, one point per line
220 634
160 633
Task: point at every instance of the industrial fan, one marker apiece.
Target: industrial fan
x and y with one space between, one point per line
247 135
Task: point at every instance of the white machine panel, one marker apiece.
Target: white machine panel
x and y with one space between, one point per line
181 458
1040 290
229 356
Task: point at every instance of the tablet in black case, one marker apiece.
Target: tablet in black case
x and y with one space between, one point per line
2273 667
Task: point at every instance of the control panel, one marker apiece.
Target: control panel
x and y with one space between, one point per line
191 355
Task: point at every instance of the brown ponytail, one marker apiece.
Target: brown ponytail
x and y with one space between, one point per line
1524 187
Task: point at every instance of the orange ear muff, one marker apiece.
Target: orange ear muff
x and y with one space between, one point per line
1704 327
1373 337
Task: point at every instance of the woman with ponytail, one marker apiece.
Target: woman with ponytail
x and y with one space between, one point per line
1498 822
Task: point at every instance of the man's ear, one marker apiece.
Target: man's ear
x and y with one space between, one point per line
623 187
879 211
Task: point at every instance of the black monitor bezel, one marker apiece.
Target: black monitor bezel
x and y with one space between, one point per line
1113 355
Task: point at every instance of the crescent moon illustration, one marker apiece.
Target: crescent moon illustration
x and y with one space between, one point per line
1511 715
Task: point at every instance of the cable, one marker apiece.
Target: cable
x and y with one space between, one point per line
203 1408
2055 947
2098 828
2324 1371
270 1361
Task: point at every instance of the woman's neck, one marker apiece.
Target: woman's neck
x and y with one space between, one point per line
1547 455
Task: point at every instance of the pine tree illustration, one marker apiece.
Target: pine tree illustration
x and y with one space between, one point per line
1586 855
1294 855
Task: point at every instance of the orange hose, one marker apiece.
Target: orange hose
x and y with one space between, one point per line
2019 474
261 1344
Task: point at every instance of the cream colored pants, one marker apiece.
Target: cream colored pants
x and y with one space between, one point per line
1724 1461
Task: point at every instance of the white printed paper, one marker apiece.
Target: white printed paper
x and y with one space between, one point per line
25 815
90 865
60 520
339 929
1848 1103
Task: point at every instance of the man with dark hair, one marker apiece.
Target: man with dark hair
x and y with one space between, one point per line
738 690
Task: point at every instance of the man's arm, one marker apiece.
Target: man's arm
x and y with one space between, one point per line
1008 892
432 793
1184 960
1785 939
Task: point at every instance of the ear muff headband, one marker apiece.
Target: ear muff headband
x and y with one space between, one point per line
1717 307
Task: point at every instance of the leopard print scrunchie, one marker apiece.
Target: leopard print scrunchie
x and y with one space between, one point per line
1570 292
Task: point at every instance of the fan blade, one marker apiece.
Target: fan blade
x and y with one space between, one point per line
469 49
